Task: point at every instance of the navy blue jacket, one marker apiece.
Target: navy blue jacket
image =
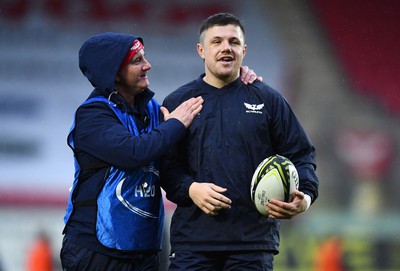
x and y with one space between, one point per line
239 126
102 142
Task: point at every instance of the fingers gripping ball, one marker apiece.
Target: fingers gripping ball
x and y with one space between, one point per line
275 178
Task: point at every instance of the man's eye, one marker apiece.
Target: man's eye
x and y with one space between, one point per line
236 42
135 61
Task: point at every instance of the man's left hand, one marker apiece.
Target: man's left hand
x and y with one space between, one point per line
287 210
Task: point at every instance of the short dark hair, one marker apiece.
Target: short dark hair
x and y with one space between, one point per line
220 19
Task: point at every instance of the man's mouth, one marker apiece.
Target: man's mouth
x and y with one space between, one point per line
226 59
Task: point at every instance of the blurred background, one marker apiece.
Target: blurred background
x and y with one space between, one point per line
337 63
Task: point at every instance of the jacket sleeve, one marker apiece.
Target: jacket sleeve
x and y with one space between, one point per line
99 133
290 140
175 180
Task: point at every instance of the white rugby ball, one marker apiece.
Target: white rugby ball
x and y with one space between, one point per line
275 177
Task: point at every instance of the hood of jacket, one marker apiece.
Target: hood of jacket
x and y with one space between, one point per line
101 56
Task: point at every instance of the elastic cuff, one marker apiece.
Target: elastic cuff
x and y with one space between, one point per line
308 199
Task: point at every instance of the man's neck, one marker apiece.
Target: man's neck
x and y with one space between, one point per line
218 82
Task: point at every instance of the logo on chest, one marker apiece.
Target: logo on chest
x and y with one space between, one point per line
253 108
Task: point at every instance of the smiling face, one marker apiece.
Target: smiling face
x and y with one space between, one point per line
132 79
222 48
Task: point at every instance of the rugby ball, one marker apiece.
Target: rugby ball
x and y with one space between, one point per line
275 177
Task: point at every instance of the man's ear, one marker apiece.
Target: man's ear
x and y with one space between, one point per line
200 50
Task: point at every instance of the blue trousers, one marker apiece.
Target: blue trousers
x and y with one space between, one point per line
76 258
221 261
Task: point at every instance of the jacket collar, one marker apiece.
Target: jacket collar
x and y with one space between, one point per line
141 100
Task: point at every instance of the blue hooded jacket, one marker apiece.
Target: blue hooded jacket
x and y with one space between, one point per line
115 205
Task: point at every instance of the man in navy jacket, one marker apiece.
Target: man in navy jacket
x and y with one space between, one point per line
216 226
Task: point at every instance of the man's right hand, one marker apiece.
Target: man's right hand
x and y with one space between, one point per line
209 198
185 112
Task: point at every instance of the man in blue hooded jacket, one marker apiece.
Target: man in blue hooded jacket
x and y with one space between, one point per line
216 226
114 218
115 213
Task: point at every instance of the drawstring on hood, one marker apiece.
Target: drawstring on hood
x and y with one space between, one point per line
100 58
